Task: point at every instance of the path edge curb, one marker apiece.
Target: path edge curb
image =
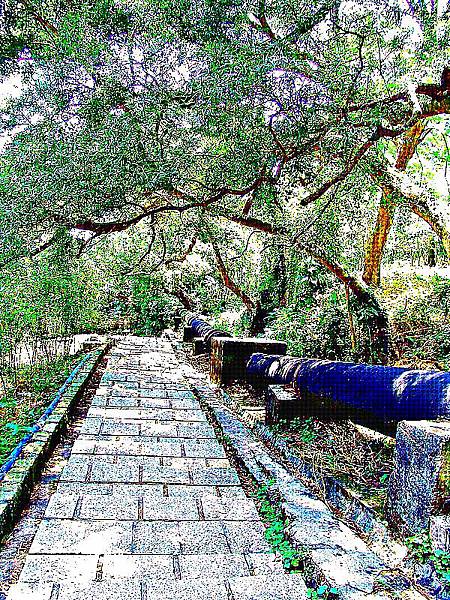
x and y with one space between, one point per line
17 486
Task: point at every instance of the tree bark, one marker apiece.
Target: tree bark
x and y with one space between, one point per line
371 312
376 245
181 295
228 281
420 201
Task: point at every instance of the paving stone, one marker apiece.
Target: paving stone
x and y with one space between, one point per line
62 506
156 537
191 491
188 402
194 416
147 497
29 591
140 567
235 491
103 444
195 430
214 476
163 474
102 590
269 587
117 414
203 448
153 428
229 508
56 536
246 537
183 395
159 401
137 490
111 427
75 470
183 462
117 401
264 564
162 447
91 425
84 445
115 506
125 473
189 589
216 566
99 400
81 488
171 509
222 463
63 568
202 537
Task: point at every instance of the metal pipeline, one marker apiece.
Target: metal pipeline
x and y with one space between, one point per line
387 393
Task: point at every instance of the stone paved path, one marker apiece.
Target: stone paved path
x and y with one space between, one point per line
148 506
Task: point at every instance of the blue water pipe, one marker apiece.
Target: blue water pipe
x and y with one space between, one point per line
10 461
389 393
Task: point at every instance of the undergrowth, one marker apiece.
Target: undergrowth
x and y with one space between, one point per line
23 404
339 450
293 559
422 550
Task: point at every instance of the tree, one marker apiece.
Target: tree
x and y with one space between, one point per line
270 115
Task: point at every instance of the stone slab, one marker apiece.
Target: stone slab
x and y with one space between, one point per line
420 483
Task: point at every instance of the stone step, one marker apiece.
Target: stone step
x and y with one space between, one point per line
133 506
94 536
83 569
259 587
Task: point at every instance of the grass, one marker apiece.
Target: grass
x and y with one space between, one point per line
339 450
28 394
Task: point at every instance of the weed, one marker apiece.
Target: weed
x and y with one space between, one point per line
422 550
323 592
275 532
303 427
22 405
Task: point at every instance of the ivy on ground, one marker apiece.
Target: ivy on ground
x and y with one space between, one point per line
293 559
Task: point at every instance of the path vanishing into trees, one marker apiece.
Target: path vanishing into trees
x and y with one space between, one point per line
148 506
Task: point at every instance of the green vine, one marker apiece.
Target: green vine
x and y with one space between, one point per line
422 550
293 559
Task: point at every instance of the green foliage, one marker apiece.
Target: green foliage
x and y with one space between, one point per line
304 427
144 120
46 300
323 592
275 531
419 308
421 549
29 390
150 310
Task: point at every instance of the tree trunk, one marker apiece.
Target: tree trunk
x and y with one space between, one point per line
420 201
229 283
433 220
375 247
258 324
369 311
180 295
386 210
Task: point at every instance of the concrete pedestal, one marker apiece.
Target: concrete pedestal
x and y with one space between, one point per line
188 334
199 346
229 356
281 404
420 484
